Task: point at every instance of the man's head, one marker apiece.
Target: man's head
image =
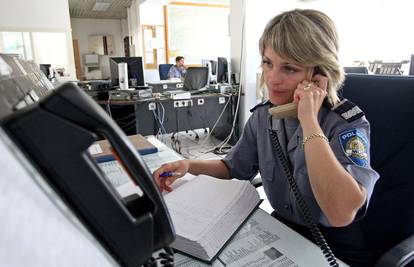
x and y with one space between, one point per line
179 61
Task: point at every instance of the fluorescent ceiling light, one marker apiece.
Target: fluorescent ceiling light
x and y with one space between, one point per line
101 6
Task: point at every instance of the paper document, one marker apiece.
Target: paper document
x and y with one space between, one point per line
116 174
95 149
263 241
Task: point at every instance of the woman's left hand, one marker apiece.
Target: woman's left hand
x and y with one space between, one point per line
309 96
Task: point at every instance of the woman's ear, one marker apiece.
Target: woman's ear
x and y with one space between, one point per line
310 74
317 70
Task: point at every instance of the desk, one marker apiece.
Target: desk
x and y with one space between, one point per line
262 241
165 115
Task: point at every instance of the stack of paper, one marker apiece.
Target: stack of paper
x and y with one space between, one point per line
206 212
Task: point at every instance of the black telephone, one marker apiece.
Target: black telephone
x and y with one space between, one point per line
55 134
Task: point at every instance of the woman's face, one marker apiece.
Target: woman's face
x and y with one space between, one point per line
281 77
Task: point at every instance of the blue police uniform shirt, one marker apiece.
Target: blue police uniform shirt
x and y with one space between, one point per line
176 72
253 153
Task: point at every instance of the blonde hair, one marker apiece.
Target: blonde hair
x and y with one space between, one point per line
309 38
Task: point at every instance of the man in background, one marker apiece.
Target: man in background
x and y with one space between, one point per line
178 70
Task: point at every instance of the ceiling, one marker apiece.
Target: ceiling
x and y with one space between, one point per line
118 8
83 9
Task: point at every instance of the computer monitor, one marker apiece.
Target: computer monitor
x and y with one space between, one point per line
135 70
411 70
47 70
212 69
222 70
195 78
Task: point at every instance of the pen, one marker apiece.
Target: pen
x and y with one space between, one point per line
169 174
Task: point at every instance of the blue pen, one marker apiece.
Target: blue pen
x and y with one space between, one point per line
169 174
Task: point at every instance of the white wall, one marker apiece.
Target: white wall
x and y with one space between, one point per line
134 26
124 27
371 29
151 13
368 30
47 15
82 28
39 16
252 16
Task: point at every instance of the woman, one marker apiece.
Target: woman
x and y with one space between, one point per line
326 146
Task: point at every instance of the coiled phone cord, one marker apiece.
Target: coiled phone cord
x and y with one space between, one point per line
313 227
165 259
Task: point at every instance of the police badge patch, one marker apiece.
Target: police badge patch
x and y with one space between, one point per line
354 144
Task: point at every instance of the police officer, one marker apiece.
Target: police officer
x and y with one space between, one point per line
325 148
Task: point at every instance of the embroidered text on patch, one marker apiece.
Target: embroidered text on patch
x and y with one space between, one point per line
352 112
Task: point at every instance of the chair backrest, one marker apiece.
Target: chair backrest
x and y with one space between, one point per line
163 70
388 103
360 70
196 78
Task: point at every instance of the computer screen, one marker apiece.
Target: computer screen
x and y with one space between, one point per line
46 69
222 70
196 78
135 70
212 69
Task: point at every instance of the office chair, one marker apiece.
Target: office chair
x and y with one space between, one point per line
196 78
388 227
163 70
411 70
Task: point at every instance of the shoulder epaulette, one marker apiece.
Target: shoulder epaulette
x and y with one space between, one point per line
348 110
264 103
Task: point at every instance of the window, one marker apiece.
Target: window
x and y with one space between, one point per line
16 43
197 31
42 47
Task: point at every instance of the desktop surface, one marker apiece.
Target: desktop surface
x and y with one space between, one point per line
261 241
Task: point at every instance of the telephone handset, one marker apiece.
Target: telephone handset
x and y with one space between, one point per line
55 134
289 110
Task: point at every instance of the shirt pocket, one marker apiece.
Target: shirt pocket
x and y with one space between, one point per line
267 169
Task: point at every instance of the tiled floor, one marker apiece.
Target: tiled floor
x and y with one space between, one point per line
202 148
191 147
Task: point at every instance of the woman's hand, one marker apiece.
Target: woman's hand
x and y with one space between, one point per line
177 169
309 96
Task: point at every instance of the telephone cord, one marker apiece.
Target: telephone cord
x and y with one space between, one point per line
166 259
313 227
